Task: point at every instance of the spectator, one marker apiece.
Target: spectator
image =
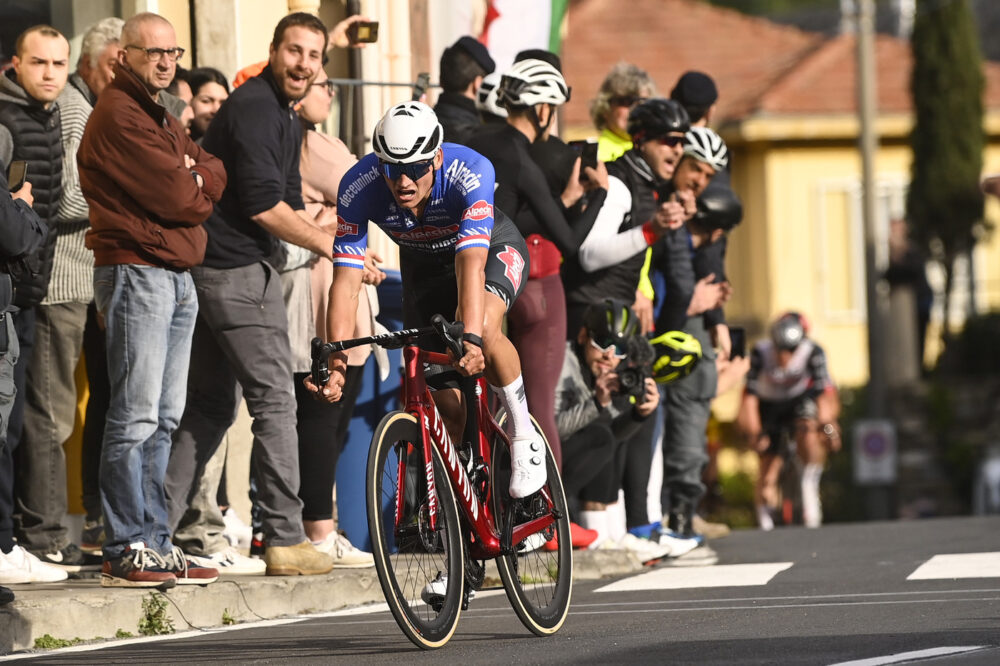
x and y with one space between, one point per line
322 427
132 152
241 338
595 419
696 92
29 131
625 86
21 233
60 321
531 91
176 99
463 66
209 89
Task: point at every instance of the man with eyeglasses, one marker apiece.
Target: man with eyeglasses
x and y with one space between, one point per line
596 421
241 341
149 189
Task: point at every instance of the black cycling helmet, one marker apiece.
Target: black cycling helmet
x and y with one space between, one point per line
656 117
718 208
611 322
789 330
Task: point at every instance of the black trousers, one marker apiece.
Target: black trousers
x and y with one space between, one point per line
589 471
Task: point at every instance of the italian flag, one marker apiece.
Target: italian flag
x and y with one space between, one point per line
514 25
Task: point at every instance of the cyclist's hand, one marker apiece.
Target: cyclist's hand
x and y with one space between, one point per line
334 389
604 387
473 362
650 399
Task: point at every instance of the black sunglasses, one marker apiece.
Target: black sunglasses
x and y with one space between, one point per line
414 171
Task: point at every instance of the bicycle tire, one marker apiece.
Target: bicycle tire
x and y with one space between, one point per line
538 582
409 558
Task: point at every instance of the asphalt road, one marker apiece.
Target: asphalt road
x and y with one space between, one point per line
885 592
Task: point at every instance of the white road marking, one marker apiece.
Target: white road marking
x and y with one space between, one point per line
726 575
913 656
961 565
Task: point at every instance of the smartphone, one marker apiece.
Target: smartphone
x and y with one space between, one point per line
363 32
587 151
17 173
738 340
421 86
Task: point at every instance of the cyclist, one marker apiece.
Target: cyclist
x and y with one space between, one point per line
789 389
457 255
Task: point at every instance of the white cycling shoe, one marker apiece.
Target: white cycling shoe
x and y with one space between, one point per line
434 592
527 466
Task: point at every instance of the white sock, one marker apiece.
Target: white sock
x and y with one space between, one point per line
764 519
516 406
597 521
616 518
812 511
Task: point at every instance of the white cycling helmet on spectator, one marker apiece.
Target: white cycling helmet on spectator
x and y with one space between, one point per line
530 82
486 96
408 132
706 146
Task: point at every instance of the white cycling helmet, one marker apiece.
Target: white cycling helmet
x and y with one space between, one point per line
408 132
486 96
531 82
706 146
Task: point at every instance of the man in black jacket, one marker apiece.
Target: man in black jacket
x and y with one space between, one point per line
463 66
21 233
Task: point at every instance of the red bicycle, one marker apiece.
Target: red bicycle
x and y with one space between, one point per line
437 511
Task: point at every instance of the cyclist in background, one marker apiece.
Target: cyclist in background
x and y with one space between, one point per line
457 256
789 390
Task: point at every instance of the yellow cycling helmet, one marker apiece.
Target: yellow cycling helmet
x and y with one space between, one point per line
677 354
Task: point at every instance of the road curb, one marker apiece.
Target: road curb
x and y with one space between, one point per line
82 609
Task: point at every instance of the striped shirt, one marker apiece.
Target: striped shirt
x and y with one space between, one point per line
73 266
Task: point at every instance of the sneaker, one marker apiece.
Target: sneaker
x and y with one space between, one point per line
679 545
703 556
647 531
434 592
138 567
343 552
6 595
92 536
20 566
187 571
644 549
69 558
230 561
707 529
302 559
237 533
527 466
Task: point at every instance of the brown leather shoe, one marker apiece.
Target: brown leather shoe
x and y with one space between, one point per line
302 559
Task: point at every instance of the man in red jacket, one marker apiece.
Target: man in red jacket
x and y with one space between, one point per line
149 188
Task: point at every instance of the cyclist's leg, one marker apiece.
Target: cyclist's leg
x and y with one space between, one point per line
812 452
767 488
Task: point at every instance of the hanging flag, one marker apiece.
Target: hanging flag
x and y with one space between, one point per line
512 26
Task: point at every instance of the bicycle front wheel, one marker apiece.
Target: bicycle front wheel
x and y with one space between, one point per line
539 577
419 564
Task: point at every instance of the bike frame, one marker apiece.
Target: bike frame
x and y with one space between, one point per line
479 515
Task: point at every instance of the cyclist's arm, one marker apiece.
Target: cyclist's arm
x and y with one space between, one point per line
470 271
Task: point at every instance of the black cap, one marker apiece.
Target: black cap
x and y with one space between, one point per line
695 89
475 48
540 54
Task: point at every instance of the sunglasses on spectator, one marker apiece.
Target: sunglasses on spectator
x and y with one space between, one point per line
156 54
669 140
610 348
625 100
414 171
331 87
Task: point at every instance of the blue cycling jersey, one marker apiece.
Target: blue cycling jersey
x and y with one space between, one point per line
458 215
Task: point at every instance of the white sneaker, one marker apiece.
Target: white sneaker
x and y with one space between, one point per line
237 533
644 549
343 552
527 466
678 545
231 562
20 566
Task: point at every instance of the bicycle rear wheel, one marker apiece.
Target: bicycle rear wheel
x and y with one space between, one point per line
539 578
420 567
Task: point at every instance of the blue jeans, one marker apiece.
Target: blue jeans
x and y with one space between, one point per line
149 315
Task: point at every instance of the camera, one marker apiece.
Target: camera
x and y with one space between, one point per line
636 367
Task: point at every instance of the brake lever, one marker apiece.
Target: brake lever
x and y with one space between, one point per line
320 367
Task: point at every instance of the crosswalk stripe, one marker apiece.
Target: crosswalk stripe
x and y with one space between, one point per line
725 575
913 656
958 565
